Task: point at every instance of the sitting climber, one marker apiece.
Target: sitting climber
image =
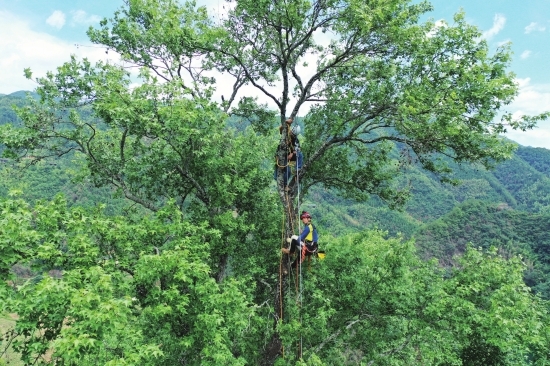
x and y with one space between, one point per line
305 243
294 159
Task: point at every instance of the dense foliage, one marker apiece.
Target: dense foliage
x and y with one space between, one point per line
140 291
132 291
191 278
487 225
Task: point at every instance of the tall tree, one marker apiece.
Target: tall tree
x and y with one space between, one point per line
376 80
383 81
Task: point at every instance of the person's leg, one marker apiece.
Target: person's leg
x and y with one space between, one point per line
290 171
286 176
293 245
301 255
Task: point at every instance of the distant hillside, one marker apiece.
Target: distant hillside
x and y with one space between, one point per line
522 183
484 225
7 114
336 216
47 179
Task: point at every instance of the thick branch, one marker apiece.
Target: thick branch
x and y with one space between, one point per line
250 78
137 199
201 193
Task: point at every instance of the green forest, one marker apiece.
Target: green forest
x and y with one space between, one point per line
145 205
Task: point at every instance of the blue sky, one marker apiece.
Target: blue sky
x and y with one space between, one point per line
42 34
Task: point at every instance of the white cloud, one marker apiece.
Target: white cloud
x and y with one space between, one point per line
534 27
217 9
523 83
57 19
81 17
539 137
22 47
505 42
531 100
498 24
525 54
437 25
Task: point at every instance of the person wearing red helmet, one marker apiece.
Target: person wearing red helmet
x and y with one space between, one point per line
306 242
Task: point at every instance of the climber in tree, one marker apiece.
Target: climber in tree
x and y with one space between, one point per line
305 243
294 158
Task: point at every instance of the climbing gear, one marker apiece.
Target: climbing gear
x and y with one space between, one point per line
310 248
290 167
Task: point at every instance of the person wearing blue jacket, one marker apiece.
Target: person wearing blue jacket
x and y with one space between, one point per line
294 159
305 243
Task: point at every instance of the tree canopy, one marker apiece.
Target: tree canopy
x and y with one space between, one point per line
379 91
141 291
380 79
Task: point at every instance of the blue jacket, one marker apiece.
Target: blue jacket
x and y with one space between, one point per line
305 233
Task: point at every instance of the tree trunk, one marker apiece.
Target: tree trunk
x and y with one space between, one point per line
287 194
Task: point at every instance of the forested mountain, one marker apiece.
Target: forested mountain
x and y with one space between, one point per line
507 208
521 183
7 102
486 225
46 179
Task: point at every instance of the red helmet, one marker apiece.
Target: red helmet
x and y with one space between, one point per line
305 214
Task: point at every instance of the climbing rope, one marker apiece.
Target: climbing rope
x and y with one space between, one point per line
281 279
301 253
281 270
301 249
291 224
